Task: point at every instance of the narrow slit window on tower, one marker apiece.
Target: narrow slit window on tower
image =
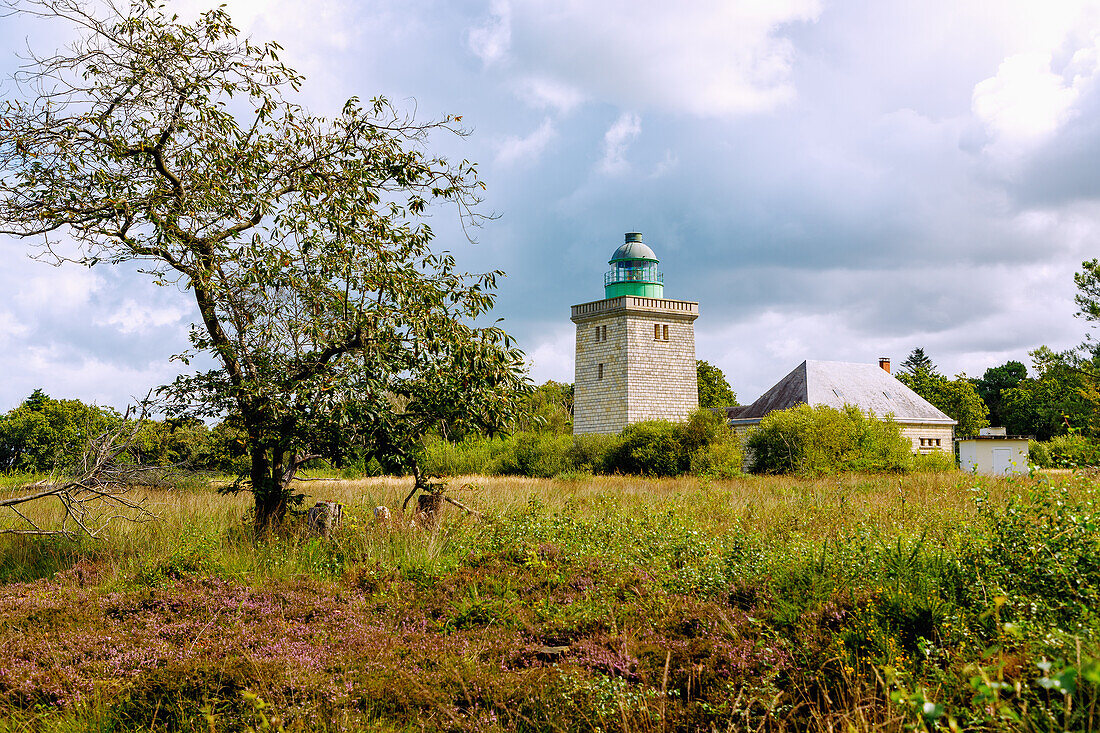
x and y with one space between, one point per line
664 333
599 371
656 331
604 337
597 334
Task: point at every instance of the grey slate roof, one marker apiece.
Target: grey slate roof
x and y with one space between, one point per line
837 383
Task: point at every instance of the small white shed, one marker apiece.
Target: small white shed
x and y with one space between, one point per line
993 453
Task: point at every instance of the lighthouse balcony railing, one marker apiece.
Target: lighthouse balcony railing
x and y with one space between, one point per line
634 275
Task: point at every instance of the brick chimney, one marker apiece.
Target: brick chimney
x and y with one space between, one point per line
884 363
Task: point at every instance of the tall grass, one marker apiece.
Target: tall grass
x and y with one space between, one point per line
862 602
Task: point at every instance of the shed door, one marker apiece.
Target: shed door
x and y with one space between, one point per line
1002 461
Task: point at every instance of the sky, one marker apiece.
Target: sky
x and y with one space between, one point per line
829 180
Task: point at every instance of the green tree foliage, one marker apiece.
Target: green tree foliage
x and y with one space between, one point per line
957 398
1088 291
714 390
1057 401
181 442
44 434
548 408
812 440
703 445
300 238
662 448
993 385
918 363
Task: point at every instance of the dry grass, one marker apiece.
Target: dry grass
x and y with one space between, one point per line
783 507
637 572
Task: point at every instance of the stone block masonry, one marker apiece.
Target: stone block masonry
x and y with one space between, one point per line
635 361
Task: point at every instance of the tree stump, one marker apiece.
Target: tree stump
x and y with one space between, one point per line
325 517
428 508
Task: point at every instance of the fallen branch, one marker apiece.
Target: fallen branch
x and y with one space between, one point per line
463 507
92 493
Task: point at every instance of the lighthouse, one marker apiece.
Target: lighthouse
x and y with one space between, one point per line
635 357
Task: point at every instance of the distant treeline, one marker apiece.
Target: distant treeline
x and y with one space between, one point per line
44 434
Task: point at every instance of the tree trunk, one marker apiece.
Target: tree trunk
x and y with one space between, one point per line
268 491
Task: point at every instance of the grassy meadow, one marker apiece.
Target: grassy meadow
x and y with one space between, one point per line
852 602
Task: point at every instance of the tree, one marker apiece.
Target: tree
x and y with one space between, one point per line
994 383
549 407
714 390
92 488
43 433
1060 399
1088 290
301 240
957 398
918 363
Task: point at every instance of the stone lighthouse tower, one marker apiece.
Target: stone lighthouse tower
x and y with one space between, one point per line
635 348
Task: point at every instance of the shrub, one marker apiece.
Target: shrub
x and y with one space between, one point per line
589 452
935 462
662 448
819 439
543 455
703 445
472 454
1073 451
651 448
1038 454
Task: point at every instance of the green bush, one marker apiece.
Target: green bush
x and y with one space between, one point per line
702 444
1038 454
589 452
543 455
472 454
815 440
1073 451
650 448
937 461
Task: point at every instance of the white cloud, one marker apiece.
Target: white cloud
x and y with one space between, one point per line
702 57
132 318
1025 102
540 92
58 290
616 140
553 358
1038 85
491 40
11 328
516 149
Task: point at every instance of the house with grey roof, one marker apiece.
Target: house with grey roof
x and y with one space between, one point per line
869 387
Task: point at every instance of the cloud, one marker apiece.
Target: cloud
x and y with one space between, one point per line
132 318
57 290
623 131
541 93
513 150
705 58
1025 102
490 41
553 357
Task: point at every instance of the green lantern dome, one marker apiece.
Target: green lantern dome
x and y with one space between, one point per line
634 271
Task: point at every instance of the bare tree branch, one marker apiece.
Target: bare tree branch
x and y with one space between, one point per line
94 493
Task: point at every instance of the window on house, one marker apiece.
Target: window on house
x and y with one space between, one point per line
599 371
937 442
